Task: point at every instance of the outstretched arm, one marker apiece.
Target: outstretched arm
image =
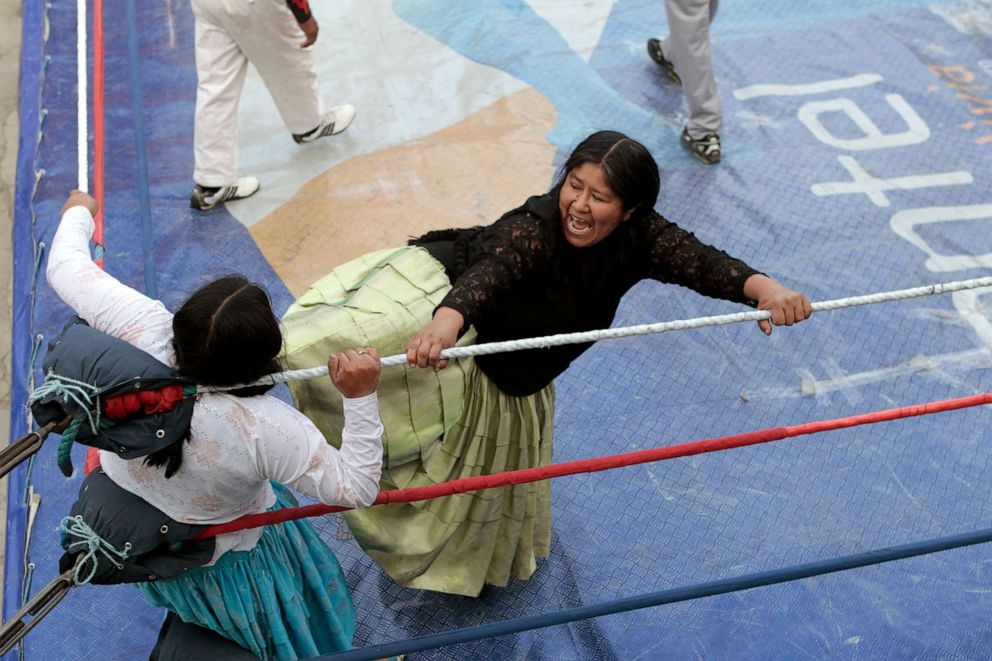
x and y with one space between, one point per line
441 332
95 295
677 256
291 450
512 249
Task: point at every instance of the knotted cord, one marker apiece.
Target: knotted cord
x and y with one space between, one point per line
74 526
68 389
83 395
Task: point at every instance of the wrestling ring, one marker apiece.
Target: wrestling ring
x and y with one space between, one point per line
692 521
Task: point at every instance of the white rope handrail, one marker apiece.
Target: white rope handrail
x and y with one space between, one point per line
82 103
627 331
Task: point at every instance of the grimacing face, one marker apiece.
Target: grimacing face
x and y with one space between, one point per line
589 208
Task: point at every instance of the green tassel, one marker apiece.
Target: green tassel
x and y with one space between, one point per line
63 456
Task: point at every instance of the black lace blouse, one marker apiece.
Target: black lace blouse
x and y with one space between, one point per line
519 277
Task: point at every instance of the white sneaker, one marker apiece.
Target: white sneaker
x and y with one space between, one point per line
205 198
333 122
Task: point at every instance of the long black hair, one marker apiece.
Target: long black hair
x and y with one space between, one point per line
223 335
628 166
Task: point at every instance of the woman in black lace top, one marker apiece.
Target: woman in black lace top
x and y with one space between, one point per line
560 263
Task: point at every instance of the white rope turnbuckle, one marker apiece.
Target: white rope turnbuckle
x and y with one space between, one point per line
627 331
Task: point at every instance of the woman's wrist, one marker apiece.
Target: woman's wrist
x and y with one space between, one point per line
758 285
448 315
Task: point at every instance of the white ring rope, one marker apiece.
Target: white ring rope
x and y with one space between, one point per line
82 104
626 331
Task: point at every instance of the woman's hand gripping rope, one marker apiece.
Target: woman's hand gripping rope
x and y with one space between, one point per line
355 372
787 306
78 198
425 347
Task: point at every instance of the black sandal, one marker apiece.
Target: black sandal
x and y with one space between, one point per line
706 148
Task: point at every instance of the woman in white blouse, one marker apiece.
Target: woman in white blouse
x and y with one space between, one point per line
278 591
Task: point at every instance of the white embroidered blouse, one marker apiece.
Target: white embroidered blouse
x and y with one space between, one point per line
236 444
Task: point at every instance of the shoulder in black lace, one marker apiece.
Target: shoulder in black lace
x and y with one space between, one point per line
513 249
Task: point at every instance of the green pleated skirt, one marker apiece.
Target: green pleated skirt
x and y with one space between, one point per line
439 426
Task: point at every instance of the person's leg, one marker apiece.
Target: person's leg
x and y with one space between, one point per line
688 47
220 71
182 641
289 72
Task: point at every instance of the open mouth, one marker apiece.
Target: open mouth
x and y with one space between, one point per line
578 226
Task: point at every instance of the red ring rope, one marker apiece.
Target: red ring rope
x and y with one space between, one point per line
92 454
526 475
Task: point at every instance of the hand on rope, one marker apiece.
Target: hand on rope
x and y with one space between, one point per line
78 198
440 333
355 372
786 306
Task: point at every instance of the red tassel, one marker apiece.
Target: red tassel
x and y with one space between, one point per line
143 402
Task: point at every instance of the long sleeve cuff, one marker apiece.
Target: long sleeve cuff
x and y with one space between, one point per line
361 416
300 9
79 219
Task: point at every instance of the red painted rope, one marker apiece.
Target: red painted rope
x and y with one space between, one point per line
98 123
92 454
526 475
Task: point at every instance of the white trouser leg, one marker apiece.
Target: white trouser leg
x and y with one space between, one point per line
220 72
687 46
287 70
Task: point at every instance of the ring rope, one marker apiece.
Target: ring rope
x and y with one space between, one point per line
627 331
82 103
674 595
525 475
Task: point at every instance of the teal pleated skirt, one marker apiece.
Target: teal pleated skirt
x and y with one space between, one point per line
284 599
